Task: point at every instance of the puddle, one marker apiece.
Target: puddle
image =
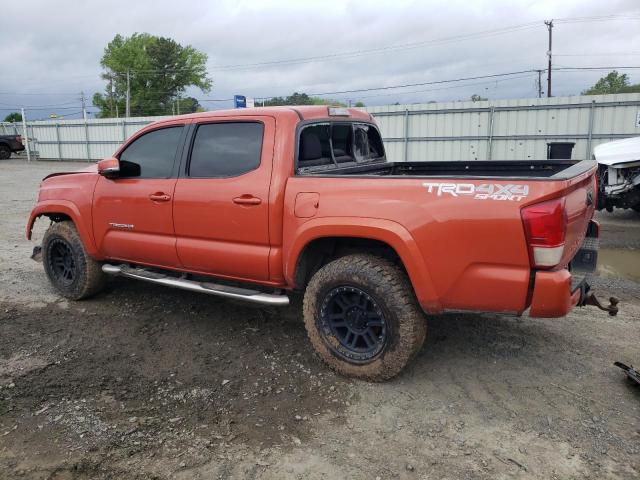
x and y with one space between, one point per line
623 263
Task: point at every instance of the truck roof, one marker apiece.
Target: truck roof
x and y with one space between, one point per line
304 112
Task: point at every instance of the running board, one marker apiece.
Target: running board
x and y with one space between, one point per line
253 296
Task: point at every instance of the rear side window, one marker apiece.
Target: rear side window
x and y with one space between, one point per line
152 155
226 149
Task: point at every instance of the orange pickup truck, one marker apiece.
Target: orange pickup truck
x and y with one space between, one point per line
255 204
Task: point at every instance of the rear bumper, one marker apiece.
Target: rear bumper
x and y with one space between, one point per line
555 293
552 296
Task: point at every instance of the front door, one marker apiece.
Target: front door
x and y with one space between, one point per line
221 200
132 214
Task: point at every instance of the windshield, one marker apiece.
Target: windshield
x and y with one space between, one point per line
332 144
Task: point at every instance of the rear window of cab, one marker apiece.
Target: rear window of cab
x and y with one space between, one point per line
329 144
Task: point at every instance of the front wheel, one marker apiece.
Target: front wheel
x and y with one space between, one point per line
71 271
362 317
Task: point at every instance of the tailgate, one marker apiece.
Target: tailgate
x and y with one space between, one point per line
580 203
557 221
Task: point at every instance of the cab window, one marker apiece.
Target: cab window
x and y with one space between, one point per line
226 149
152 155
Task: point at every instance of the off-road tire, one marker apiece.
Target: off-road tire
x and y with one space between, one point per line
5 152
389 287
89 278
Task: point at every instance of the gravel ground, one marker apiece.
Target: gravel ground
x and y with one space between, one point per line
147 382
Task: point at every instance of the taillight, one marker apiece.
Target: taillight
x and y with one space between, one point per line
545 226
19 138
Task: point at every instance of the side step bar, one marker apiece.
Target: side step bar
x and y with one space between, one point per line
237 293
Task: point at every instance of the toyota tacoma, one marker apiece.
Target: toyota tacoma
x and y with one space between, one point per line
257 204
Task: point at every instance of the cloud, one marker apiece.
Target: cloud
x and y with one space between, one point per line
54 48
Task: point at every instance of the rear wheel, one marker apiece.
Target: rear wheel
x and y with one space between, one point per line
5 152
362 317
70 270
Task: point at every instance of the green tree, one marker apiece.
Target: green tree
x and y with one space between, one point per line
301 99
13 117
160 70
190 105
359 105
613 82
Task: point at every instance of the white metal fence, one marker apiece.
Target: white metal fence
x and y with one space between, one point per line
498 130
505 129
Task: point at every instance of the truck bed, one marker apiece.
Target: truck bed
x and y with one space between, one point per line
530 170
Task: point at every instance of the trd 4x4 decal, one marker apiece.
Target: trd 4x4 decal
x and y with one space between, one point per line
485 191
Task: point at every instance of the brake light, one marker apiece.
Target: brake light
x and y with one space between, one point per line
545 226
19 138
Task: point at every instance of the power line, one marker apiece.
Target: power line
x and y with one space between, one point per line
57 105
598 68
373 51
600 18
391 48
44 107
440 88
481 34
435 82
611 54
502 76
39 93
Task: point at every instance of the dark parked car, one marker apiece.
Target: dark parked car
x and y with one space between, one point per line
8 144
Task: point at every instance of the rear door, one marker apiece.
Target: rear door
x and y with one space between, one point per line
221 200
132 214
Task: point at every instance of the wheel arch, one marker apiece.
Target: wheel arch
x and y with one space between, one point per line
59 211
321 240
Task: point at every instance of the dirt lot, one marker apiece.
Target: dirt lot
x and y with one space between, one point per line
147 382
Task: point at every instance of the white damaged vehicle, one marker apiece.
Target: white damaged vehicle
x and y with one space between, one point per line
619 174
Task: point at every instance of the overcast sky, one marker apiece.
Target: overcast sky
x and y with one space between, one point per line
51 49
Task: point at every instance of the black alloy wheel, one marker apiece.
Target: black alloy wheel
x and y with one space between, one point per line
352 324
62 262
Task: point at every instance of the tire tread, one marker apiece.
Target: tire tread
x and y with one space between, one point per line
389 283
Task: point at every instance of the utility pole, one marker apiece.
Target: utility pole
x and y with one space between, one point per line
539 83
111 94
26 134
128 103
84 106
549 25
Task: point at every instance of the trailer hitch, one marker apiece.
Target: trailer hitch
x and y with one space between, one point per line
612 308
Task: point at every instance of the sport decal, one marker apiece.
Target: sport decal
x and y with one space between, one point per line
485 191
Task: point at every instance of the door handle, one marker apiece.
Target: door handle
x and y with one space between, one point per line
247 200
159 197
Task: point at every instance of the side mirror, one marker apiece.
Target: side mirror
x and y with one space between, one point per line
109 167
